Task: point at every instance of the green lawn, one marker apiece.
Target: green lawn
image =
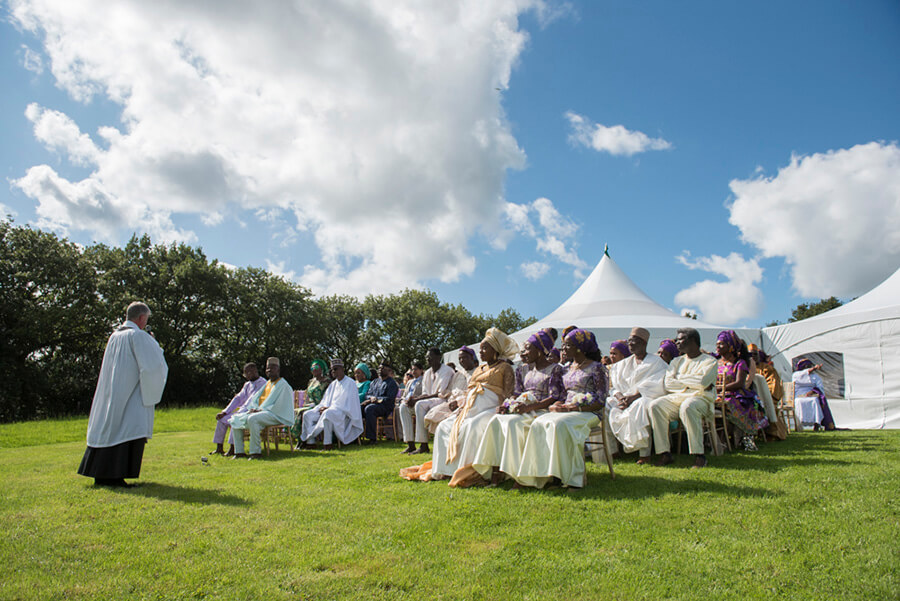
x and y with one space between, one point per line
814 517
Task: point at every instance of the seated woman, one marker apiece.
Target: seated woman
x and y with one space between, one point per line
363 376
667 350
501 446
554 447
456 439
743 408
618 350
809 396
315 390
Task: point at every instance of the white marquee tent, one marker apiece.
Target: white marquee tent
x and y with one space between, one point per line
866 332
609 304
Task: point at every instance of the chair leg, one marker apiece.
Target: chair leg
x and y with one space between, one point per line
609 460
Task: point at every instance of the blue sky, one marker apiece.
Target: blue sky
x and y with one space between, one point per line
738 158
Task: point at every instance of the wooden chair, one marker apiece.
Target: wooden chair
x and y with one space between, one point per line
274 435
787 409
299 401
720 420
709 433
383 425
599 432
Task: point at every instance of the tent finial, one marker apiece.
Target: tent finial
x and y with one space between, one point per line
606 250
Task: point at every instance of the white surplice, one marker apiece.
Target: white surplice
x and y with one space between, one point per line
131 383
341 414
631 426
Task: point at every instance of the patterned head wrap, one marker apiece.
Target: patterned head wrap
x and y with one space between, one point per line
365 369
622 347
568 329
804 364
505 346
763 357
670 347
542 340
337 362
584 340
466 349
730 338
320 364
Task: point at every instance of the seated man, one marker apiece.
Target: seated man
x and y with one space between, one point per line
238 401
456 394
337 415
689 383
634 383
272 405
435 381
380 400
809 396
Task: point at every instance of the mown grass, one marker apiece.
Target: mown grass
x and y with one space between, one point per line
810 518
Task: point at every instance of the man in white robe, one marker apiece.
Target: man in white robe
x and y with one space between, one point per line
689 383
337 415
634 383
272 405
132 378
435 383
455 395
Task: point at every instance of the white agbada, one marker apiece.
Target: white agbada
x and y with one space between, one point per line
341 415
131 383
631 426
433 383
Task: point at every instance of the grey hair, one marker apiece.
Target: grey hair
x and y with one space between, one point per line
135 310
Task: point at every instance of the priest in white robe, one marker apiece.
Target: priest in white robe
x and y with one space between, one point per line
272 405
337 415
634 383
132 379
689 383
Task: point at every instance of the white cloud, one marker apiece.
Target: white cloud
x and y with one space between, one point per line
616 140
553 234
833 216
723 302
277 268
6 212
534 270
348 116
31 60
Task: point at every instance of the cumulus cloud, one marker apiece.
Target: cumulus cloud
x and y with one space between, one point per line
833 216
616 140
534 270
6 212
333 116
554 234
726 302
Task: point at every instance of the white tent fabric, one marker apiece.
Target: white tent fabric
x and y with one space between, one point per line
867 332
609 304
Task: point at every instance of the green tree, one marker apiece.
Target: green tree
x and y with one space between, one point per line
51 339
806 310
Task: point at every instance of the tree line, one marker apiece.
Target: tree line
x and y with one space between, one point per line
59 302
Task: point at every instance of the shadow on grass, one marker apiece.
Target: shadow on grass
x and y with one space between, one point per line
646 487
185 494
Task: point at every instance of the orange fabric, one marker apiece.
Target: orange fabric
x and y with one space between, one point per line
266 392
417 472
465 477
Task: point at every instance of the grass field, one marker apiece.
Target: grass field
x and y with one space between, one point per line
814 517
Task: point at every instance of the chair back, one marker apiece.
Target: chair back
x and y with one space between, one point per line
720 386
788 399
299 398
